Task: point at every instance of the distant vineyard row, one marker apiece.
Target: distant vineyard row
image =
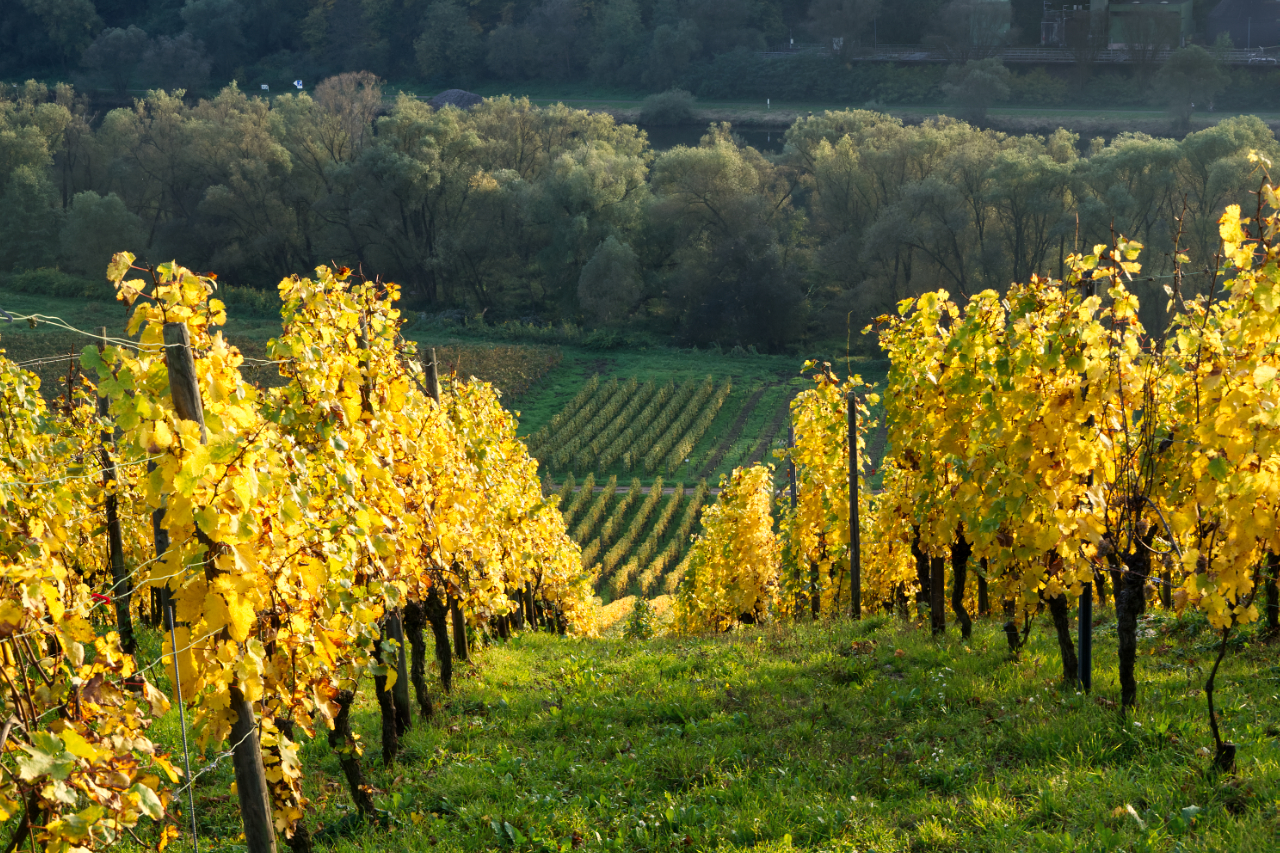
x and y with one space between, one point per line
634 538
692 429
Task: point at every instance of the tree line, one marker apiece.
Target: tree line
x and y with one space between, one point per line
628 42
554 214
111 47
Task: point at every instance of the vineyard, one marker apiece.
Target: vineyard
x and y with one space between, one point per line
1048 454
636 461
296 540
265 561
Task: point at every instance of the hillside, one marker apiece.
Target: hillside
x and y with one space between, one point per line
609 428
634 443
834 736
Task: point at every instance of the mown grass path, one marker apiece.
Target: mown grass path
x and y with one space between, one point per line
835 736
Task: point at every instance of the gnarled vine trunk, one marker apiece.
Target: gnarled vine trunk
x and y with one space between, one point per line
415 620
1131 600
438 618
1061 613
984 601
922 570
460 649
937 596
343 742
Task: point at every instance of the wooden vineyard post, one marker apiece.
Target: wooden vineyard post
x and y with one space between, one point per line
433 377
795 499
855 540
160 534
121 588
251 777
1085 637
984 602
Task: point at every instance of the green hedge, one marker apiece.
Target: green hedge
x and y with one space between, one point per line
49 281
53 282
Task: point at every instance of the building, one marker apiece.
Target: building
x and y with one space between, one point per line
1128 23
1061 22
1168 23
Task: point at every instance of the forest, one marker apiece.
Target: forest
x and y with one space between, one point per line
647 43
753 49
551 215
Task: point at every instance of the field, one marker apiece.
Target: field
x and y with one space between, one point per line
830 736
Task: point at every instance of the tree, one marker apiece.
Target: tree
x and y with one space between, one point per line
70 24
672 49
449 46
511 52
970 29
29 220
726 24
840 24
114 54
588 193
1030 194
176 63
556 29
620 44
609 286
1085 37
976 85
353 100
1190 76
96 228
724 213
1147 33
219 23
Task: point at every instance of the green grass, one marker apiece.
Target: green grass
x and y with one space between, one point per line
834 736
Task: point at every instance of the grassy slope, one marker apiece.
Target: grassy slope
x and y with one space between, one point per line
827 737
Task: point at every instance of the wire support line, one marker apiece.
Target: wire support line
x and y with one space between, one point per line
60 323
213 765
48 359
111 599
67 479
